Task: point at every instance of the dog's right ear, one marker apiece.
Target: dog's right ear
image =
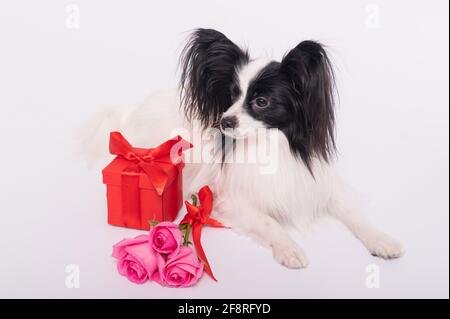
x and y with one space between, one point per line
208 62
309 73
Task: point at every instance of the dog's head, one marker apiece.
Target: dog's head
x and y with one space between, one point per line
223 87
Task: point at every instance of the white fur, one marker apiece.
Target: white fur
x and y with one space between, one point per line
259 205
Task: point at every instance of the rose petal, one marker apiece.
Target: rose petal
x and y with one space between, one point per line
171 243
118 249
184 252
130 268
144 256
165 238
158 275
182 270
192 269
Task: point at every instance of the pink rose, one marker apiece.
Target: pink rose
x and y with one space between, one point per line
181 270
165 238
135 260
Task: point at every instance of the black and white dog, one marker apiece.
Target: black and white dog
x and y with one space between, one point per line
286 107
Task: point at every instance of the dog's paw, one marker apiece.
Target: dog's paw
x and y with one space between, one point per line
289 255
385 247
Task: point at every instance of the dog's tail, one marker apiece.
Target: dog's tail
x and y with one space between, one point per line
94 134
147 124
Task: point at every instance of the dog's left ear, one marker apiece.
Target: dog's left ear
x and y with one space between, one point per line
309 74
209 62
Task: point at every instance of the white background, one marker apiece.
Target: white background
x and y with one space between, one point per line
392 138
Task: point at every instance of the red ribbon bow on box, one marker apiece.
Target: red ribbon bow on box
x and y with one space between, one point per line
149 159
197 216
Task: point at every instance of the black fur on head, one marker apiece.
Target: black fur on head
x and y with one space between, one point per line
296 97
209 63
308 72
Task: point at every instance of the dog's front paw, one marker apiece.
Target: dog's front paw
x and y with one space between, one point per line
385 247
289 255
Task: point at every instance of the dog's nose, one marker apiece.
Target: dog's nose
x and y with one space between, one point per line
229 122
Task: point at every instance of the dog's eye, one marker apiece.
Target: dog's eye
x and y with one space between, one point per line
261 102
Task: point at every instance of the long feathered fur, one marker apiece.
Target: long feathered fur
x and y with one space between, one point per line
308 70
216 81
208 63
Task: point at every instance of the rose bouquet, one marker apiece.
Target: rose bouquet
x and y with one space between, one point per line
164 255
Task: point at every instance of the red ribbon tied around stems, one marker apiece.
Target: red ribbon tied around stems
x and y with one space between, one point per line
150 160
197 216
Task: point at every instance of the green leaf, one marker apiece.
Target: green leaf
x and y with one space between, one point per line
194 199
186 235
153 223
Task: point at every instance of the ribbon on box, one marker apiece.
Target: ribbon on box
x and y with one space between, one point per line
158 164
197 216
149 160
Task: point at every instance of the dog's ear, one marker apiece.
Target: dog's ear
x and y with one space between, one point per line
309 74
208 62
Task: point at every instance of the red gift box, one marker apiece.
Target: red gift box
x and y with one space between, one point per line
144 184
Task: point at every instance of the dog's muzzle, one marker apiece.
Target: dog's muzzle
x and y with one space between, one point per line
229 122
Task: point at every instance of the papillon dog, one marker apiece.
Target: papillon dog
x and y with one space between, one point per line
238 106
